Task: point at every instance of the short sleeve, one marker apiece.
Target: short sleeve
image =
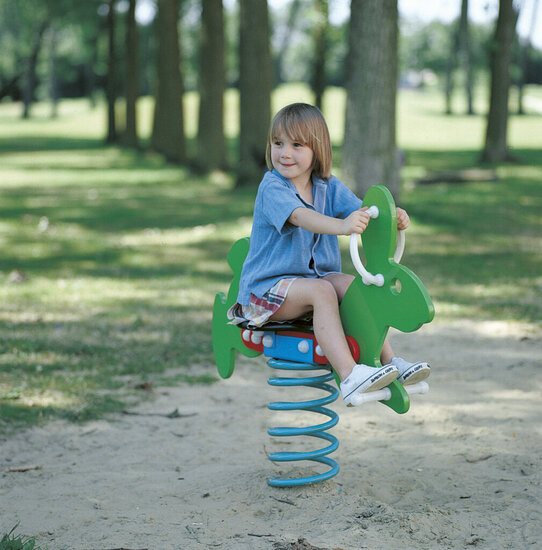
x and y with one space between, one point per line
278 201
344 201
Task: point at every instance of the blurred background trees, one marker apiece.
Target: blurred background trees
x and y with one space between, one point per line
122 50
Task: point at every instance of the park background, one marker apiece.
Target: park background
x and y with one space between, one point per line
131 138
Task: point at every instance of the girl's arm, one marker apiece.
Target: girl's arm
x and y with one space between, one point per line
355 223
320 223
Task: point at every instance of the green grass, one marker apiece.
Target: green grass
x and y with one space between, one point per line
111 259
9 541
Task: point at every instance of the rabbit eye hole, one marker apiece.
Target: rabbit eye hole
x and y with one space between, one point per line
396 286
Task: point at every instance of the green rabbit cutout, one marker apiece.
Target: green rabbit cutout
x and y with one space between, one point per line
402 302
226 337
367 311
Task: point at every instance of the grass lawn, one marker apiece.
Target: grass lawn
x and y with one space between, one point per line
111 259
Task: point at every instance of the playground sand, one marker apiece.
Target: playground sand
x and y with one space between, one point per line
461 469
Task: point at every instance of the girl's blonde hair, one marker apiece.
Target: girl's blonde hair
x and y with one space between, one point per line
304 124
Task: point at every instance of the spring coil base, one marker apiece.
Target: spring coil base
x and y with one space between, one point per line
318 431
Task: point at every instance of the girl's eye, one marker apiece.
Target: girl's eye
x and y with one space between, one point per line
277 143
298 144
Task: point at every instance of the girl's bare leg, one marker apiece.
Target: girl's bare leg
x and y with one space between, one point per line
341 282
320 297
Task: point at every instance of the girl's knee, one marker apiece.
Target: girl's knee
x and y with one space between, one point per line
325 291
341 282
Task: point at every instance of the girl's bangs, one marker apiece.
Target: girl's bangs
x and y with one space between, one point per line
294 130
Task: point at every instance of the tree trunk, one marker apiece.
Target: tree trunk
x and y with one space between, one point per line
524 54
370 152
211 145
53 81
451 64
10 87
464 53
168 131
320 45
255 90
31 80
131 84
111 84
496 148
89 71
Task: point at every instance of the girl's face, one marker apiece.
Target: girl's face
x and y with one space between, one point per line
292 159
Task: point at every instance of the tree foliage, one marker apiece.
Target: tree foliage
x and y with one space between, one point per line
74 27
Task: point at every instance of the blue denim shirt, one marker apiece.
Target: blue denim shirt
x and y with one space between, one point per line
279 249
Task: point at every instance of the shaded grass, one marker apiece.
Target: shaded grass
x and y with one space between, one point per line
107 282
111 259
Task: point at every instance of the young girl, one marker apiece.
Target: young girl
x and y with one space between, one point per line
293 264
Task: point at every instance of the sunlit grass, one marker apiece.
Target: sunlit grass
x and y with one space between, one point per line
111 258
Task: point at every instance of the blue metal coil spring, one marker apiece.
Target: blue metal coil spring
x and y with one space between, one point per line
317 431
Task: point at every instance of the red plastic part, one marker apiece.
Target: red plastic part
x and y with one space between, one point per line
319 359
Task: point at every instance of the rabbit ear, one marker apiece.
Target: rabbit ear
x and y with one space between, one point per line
380 237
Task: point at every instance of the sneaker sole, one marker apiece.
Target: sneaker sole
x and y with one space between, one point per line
380 379
415 374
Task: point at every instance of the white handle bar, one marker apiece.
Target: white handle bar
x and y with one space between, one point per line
366 277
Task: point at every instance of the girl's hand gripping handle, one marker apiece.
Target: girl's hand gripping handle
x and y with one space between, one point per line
366 277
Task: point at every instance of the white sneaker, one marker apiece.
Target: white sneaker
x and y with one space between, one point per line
411 373
365 379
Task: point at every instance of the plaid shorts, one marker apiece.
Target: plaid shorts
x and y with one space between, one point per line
259 310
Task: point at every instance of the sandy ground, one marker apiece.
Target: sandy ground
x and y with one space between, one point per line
461 469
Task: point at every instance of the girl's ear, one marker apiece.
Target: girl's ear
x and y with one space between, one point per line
379 239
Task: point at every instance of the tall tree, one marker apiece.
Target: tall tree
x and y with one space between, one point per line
111 83
496 147
168 131
132 74
370 152
465 53
255 90
31 80
211 145
459 55
320 46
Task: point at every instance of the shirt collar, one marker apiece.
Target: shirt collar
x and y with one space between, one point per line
319 190
316 181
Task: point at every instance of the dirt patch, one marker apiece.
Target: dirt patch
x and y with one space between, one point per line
461 469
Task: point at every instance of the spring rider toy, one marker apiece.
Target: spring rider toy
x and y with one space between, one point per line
384 294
